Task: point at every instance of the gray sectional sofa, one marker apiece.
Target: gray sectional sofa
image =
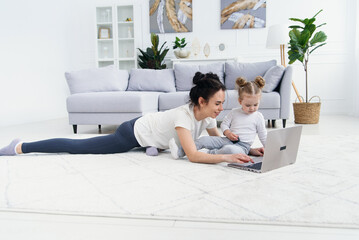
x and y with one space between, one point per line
108 96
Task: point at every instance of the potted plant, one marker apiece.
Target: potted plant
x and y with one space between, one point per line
180 43
153 57
303 41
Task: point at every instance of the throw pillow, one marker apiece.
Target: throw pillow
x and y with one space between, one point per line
247 70
152 80
185 72
273 77
97 80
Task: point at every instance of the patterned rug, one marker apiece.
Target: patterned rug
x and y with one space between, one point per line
320 189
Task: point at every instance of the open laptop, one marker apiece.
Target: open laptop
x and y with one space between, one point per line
281 150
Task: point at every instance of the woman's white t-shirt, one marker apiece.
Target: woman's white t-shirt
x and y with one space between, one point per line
156 129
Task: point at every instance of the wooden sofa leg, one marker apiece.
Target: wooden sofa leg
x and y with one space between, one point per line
75 128
284 122
268 123
99 128
273 123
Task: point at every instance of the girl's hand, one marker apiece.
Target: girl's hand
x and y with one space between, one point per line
231 136
256 151
239 158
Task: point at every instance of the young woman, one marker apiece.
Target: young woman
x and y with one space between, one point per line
153 131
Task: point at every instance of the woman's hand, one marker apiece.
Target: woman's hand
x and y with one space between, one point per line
256 151
239 158
231 136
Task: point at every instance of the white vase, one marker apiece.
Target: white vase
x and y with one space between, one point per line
206 50
182 53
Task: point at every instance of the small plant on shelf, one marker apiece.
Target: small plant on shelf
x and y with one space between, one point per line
179 43
153 57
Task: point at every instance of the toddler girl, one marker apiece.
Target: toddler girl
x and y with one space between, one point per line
239 126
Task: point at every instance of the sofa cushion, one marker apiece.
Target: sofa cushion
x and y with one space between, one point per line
268 100
97 80
152 80
185 72
112 102
273 77
247 70
172 100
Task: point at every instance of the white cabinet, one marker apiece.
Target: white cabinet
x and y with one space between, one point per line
115 40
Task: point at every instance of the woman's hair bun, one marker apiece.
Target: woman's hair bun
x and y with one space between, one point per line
197 77
241 81
260 82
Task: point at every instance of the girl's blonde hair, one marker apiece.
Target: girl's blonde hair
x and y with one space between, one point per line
251 88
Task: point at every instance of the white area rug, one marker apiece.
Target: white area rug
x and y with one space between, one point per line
321 189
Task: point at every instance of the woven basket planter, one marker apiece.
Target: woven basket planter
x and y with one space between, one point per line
307 113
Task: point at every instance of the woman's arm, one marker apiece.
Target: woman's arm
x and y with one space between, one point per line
193 155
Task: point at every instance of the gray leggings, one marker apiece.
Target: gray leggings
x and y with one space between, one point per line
219 145
122 140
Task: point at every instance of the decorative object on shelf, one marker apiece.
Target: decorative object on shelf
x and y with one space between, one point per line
178 13
105 52
278 38
181 43
108 15
129 32
153 57
206 50
104 33
128 20
196 47
302 43
221 47
243 14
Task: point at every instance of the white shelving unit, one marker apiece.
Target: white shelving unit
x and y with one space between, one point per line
120 48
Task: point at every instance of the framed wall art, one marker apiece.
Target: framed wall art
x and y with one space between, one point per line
170 16
240 14
104 33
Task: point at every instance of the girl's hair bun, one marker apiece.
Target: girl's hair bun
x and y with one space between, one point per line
241 82
198 77
259 81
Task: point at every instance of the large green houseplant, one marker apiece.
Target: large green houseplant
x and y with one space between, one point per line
153 57
303 41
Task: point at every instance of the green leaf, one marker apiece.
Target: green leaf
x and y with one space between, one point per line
297 20
296 26
318 13
294 35
311 28
318 37
321 25
306 21
317 47
162 56
310 21
304 38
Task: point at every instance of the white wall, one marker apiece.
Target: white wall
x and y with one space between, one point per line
40 40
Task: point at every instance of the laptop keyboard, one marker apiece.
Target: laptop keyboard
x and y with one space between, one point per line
256 166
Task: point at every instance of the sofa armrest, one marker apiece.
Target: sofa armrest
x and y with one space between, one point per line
285 91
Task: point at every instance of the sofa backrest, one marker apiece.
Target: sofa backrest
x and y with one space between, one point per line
249 71
184 73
